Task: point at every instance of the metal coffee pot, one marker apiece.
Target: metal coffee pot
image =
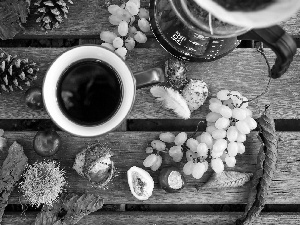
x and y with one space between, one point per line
189 32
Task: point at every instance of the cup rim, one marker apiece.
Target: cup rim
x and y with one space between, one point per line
82 134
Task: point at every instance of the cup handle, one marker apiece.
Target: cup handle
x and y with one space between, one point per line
149 77
281 43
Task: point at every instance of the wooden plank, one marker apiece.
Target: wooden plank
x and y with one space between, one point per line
129 150
87 18
168 218
243 70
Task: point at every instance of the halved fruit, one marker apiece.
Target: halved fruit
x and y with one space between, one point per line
140 182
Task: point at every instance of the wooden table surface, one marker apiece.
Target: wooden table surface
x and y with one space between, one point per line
242 70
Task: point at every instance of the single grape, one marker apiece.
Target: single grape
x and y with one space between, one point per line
107 36
175 150
157 164
239 114
241 148
124 14
144 13
215 154
206 138
180 138
137 2
202 149
118 42
217 165
198 170
150 160
220 145
242 127
241 137
251 123
113 9
131 31
210 124
236 98
114 20
121 52
129 43
144 25
230 161
215 107
225 111
192 144
177 157
123 28
248 112
167 137
218 134
229 103
188 168
232 133
108 46
215 100
232 149
149 150
212 116
222 123
132 8
223 95
210 129
140 37
158 145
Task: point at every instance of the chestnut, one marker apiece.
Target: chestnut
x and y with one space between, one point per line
171 179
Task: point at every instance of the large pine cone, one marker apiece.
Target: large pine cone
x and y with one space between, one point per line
51 12
15 72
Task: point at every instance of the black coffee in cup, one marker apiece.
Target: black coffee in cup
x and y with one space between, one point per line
89 92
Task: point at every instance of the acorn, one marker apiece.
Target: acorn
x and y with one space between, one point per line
171 179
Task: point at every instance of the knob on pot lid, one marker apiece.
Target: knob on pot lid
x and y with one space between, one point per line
250 13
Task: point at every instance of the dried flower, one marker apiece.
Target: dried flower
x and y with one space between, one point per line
43 182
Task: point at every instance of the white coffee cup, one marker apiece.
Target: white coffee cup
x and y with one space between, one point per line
128 81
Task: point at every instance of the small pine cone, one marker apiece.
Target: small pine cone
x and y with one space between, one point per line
51 12
15 72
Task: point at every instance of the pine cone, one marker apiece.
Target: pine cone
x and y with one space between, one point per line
15 72
51 12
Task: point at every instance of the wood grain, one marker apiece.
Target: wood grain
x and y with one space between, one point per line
243 70
129 150
167 218
87 18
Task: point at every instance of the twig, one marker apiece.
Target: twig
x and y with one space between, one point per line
261 51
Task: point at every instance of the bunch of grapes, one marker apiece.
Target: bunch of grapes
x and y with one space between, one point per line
126 17
228 123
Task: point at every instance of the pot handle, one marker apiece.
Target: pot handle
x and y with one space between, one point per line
149 77
280 42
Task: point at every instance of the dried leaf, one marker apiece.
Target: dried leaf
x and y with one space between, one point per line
48 215
80 206
12 169
265 168
76 207
227 179
13 13
172 99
